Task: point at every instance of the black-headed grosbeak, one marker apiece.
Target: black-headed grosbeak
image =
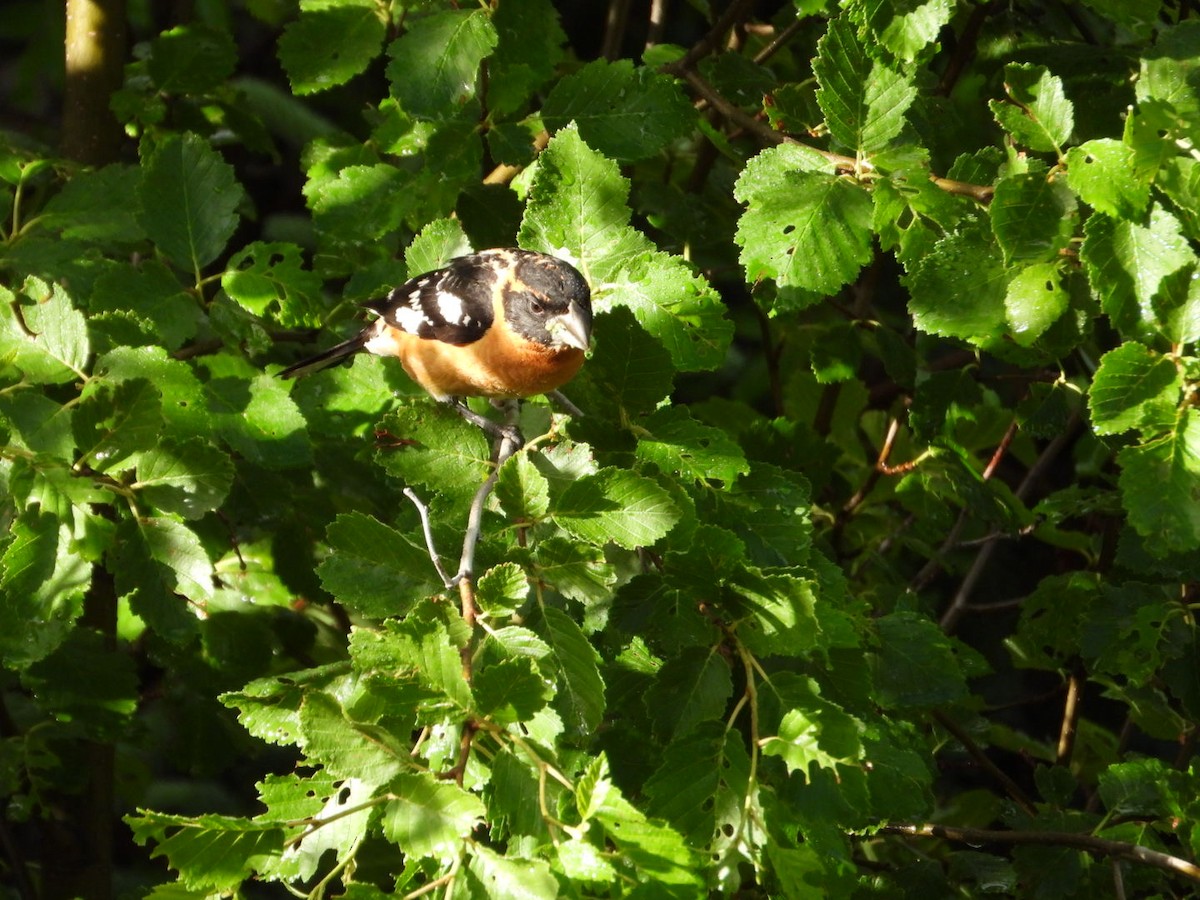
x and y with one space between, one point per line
501 324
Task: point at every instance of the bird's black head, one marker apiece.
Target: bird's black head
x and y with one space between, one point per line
550 302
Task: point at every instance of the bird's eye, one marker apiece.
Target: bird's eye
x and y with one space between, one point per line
536 308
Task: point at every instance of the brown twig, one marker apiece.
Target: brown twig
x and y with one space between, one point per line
964 48
1118 849
976 752
1070 720
715 37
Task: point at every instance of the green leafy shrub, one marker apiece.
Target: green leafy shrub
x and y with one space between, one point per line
870 568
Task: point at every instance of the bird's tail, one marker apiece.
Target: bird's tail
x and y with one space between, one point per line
325 359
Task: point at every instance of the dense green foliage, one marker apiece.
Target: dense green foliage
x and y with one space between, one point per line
870 569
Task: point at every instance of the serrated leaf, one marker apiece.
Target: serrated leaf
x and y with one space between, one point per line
374 569
1160 487
435 64
959 289
502 589
212 853
42 583
191 59
812 730
522 490
574 569
1126 263
38 424
678 444
330 43
578 210
360 203
429 818
153 293
42 335
510 690
115 422
437 243
84 208
688 690
347 748
189 477
189 198
339 811
1102 173
1134 387
615 505
908 28
647 843
438 449
916 665
270 279
624 112
1034 301
1031 217
1037 112
161 566
265 427
580 696
494 877
864 100
631 369
803 228
1141 787
528 53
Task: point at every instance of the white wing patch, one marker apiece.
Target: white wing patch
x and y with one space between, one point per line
410 318
449 306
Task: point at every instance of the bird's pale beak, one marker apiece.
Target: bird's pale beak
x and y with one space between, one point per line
572 328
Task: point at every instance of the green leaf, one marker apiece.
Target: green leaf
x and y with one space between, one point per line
41 334
361 203
189 198
330 43
811 728
265 425
864 100
623 112
1170 78
374 569
1037 112
510 690
678 444
527 55
269 279
38 424
438 242
160 565
688 690
435 64
804 228
1141 787
189 478
630 370
916 665
330 736
615 505
580 696
522 490
152 293
650 846
1127 262
1034 301
684 788
115 422
502 589
960 288
575 570
42 583
1032 217
84 208
1102 173
494 877
578 210
1134 387
1160 487
428 817
439 450
908 28
191 59
211 853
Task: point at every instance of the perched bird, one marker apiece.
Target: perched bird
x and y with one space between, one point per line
501 324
